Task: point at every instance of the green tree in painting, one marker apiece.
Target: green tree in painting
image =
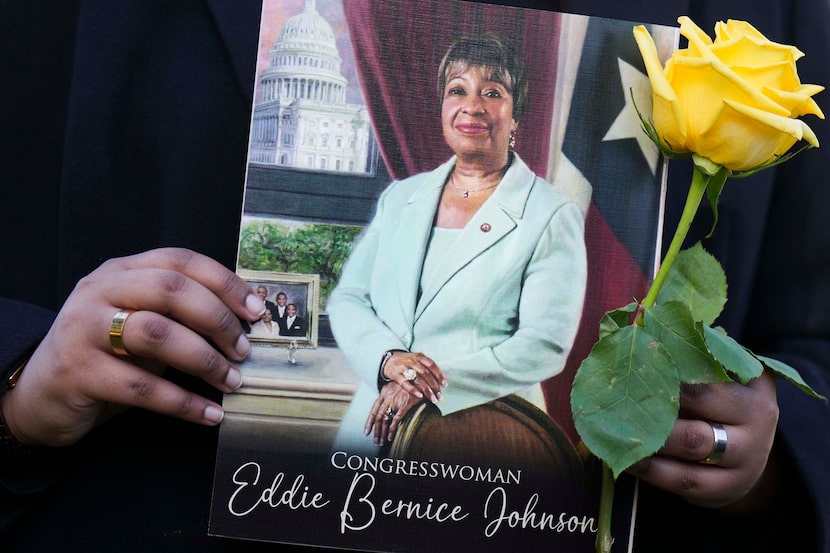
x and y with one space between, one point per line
308 249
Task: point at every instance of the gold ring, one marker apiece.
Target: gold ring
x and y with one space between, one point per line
719 445
410 374
117 329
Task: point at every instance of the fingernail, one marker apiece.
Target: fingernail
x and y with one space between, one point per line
213 414
243 346
234 379
255 304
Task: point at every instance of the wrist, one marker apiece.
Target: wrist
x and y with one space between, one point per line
10 443
387 355
382 367
10 446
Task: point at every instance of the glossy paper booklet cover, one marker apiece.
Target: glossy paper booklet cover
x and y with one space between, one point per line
442 199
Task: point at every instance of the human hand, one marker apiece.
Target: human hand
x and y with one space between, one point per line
416 373
749 415
388 411
187 309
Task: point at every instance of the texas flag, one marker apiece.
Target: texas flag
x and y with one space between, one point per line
602 156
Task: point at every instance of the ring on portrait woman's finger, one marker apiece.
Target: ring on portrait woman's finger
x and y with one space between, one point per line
117 331
719 445
410 374
389 414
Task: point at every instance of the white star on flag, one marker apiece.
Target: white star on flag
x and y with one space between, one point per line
627 123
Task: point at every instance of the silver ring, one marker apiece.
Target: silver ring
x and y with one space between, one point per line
719 445
389 414
410 374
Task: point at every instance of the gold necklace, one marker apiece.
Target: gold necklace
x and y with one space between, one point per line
465 192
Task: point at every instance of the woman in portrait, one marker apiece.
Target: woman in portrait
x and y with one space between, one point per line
468 283
266 327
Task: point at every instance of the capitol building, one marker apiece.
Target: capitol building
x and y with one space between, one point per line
302 118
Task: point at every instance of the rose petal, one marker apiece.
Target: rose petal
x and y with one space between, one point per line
746 53
771 136
734 29
699 41
799 102
668 116
779 75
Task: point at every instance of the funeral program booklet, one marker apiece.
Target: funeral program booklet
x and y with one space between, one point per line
349 158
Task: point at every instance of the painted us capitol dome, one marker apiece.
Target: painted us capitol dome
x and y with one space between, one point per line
308 28
307 46
302 118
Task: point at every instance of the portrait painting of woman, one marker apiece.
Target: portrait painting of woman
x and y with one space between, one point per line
468 284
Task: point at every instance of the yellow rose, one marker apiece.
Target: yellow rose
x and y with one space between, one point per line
733 100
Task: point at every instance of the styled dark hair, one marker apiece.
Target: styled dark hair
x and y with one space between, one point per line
497 57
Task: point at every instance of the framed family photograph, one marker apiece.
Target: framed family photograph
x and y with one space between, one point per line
292 304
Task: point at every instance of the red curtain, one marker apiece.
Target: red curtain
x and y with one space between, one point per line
399 45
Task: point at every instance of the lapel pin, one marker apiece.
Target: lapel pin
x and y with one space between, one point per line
485 227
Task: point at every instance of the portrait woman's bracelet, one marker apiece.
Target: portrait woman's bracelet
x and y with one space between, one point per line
385 359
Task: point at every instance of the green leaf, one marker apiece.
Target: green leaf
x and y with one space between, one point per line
612 321
790 374
713 189
734 357
625 397
672 324
696 279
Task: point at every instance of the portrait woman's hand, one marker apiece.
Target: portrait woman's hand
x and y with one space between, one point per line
387 412
416 373
743 477
186 310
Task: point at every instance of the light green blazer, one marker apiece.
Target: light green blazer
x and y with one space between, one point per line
501 314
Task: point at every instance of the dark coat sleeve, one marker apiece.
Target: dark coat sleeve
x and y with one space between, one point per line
32 114
123 128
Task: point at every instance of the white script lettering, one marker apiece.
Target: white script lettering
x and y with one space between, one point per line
529 518
362 487
296 497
